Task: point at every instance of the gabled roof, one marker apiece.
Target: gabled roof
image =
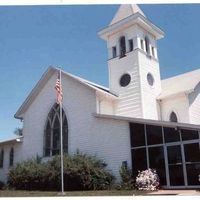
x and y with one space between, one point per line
46 76
183 83
124 11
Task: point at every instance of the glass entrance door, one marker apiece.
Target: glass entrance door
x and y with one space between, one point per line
175 165
184 166
192 162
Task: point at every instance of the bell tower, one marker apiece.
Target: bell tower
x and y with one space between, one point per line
133 65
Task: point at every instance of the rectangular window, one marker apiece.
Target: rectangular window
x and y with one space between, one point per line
154 134
139 160
174 154
114 52
175 165
193 173
192 152
176 175
157 161
137 135
171 135
130 45
189 134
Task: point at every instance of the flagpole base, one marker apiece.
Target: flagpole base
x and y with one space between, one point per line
61 194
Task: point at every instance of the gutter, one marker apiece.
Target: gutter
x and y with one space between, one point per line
15 140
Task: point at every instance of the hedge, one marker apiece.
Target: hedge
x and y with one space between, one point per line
81 172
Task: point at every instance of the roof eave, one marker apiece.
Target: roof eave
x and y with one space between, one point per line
133 19
148 121
88 84
15 140
40 84
34 92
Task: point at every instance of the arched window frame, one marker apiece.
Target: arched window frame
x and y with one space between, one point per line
122 46
51 143
11 157
173 114
1 158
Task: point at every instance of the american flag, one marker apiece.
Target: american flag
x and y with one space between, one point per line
59 93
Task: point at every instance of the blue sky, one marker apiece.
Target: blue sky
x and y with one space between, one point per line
34 37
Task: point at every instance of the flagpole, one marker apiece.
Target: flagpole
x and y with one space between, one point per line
61 143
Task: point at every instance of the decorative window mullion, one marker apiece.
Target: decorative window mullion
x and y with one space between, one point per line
54 124
51 142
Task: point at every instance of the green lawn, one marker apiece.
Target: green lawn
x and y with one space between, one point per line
20 193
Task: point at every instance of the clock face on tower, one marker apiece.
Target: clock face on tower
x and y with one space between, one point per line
125 80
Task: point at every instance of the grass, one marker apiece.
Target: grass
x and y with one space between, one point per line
21 193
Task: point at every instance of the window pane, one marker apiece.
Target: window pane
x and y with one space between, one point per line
114 52
176 175
47 152
171 135
142 44
122 44
157 161
173 117
174 154
48 138
137 135
130 45
56 123
193 171
125 80
55 152
65 135
11 156
189 134
154 134
56 138
139 160
150 79
152 50
147 44
192 152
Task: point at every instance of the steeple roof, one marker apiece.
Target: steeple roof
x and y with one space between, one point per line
126 10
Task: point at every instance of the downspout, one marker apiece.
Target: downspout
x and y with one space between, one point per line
160 108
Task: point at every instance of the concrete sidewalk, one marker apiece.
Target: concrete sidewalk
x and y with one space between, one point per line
176 192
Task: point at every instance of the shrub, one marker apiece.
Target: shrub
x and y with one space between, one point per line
81 172
29 175
127 181
147 180
1 185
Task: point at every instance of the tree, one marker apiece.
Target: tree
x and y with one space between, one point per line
18 131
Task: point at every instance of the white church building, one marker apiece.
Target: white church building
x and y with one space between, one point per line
140 120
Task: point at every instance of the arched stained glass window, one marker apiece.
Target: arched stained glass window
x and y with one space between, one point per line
11 157
52 132
173 117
